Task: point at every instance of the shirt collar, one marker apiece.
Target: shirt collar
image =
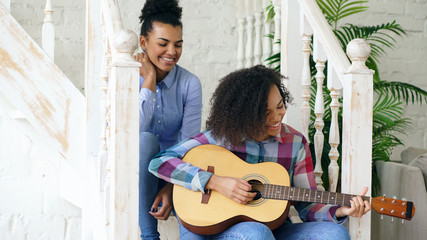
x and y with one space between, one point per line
170 77
281 137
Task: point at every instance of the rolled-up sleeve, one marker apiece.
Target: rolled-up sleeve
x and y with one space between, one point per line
169 166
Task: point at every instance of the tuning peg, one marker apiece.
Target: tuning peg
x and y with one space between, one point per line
403 221
392 219
382 217
394 199
404 201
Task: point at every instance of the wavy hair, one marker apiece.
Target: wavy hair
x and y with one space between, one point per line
239 104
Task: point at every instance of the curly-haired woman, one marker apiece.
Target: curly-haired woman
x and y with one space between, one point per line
170 104
246 118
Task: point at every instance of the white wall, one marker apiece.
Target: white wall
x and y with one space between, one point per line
408 60
30 206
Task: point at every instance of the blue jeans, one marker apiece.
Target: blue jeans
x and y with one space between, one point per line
288 231
149 185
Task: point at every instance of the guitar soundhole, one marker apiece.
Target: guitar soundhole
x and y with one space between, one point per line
257 188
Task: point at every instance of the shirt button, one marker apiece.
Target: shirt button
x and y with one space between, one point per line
158 121
157 135
157 90
151 117
154 100
158 106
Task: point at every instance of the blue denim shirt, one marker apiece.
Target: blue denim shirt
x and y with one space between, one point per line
174 111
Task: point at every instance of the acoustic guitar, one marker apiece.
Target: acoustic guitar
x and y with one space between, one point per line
212 212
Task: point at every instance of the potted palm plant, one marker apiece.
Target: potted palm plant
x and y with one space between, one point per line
390 96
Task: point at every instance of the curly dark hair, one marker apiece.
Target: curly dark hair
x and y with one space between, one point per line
164 11
239 104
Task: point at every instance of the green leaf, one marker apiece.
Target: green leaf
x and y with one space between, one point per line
335 10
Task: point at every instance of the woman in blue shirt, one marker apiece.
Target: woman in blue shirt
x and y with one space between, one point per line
170 104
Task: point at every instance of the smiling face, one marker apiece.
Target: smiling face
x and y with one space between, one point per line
275 112
163 46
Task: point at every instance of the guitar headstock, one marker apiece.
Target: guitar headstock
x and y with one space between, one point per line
393 207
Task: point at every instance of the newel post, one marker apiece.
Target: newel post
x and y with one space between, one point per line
357 131
124 141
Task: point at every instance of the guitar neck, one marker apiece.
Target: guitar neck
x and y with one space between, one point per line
307 195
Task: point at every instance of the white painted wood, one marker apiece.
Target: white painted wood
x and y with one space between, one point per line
39 89
114 217
284 38
240 43
319 58
258 37
68 175
333 79
357 131
72 184
124 146
249 41
266 41
6 4
93 217
306 83
291 49
324 32
334 85
48 31
306 34
334 141
105 168
277 28
284 53
103 149
113 20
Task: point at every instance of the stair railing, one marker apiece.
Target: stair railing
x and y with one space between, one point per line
253 46
350 81
48 31
119 150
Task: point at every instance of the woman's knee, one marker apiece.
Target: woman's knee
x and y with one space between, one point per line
253 231
340 232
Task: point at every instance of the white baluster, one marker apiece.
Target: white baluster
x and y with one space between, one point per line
249 35
277 21
258 38
320 58
108 137
306 33
240 34
124 142
335 86
48 31
103 154
357 131
266 41
240 43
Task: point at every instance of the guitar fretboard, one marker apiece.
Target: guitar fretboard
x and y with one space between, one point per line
272 191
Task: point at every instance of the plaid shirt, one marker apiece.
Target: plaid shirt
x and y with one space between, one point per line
289 148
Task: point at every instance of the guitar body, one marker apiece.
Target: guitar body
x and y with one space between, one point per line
220 212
